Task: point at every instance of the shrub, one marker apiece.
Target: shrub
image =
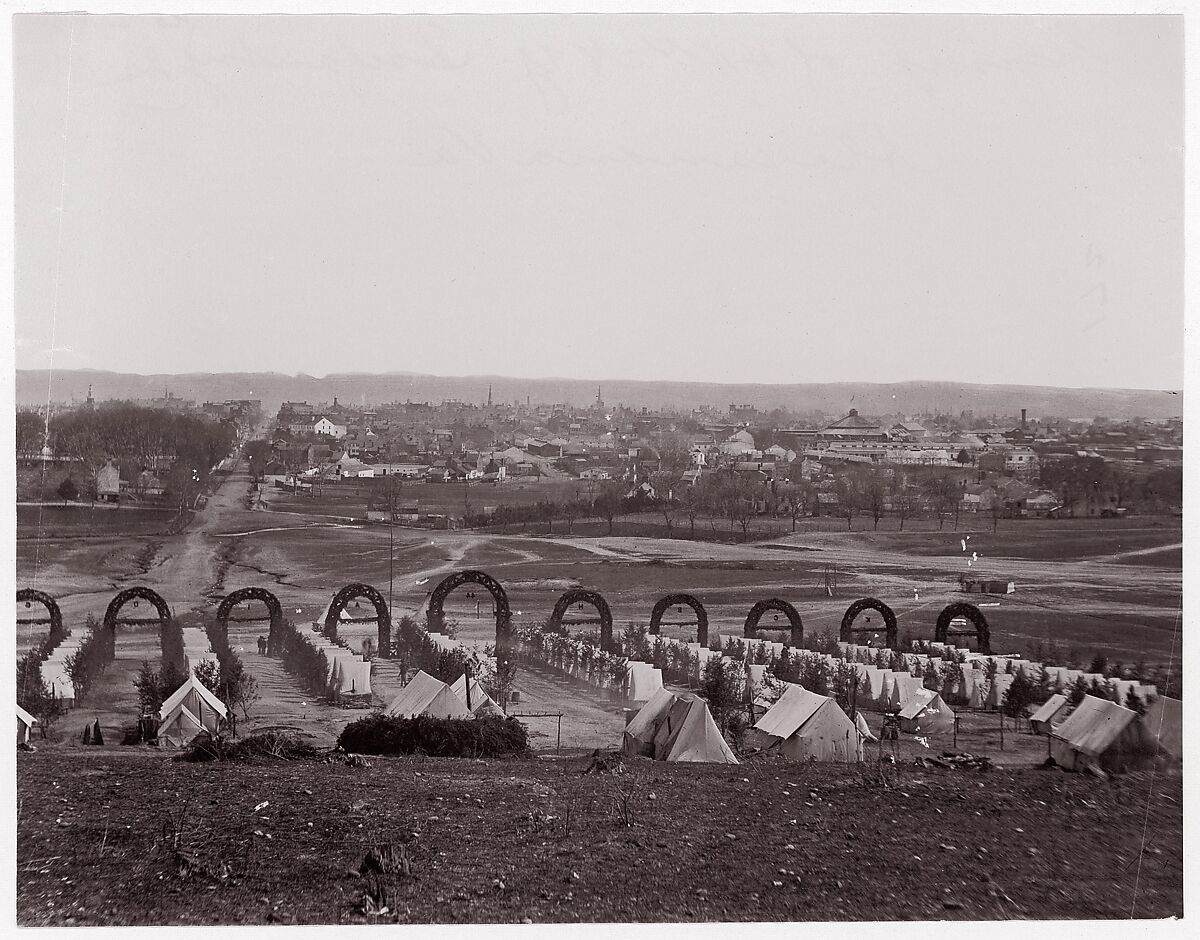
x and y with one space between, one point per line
267 745
92 657
491 736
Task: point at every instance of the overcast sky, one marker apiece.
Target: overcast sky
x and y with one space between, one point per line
776 199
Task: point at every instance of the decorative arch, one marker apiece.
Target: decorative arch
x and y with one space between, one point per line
437 617
849 630
382 617
774 603
580 596
30 596
982 633
274 612
671 600
112 620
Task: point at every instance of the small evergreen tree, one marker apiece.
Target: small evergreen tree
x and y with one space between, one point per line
1018 696
1099 664
1133 702
67 490
1079 689
149 690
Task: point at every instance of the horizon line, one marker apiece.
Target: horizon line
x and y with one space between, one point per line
560 378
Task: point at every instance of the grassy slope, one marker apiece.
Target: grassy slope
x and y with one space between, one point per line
707 842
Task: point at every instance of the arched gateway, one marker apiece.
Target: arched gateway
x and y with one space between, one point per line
580 596
274 613
679 600
382 614
783 607
437 616
29 597
979 626
849 630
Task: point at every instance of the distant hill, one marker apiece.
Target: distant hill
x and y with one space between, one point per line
834 398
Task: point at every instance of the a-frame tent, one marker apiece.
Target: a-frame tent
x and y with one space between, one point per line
808 726
425 695
187 711
676 727
1102 735
926 713
481 702
1051 714
1164 722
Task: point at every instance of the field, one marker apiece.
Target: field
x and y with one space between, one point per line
1112 586
111 838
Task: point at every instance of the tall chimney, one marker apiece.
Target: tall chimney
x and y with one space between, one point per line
1022 419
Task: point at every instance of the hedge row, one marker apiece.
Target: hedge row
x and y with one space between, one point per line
490 736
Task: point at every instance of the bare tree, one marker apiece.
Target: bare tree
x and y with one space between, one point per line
692 504
608 502
665 483
902 498
796 498
942 493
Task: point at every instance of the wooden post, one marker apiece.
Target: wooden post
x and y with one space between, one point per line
467 683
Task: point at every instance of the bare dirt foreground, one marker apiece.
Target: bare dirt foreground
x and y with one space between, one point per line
138 839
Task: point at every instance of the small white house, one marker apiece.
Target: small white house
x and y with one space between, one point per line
328 428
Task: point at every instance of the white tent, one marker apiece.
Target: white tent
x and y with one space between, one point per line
1000 684
1050 715
926 713
1164 722
677 728
1101 734
807 726
351 673
188 710
904 687
425 695
481 702
642 681
25 723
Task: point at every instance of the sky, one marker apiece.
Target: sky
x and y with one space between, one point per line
727 199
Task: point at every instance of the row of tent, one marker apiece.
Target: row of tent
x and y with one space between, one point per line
54 670
196 647
426 695
801 725
349 673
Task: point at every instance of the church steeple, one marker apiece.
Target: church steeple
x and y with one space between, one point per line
91 402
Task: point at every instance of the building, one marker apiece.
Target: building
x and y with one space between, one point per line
328 428
108 483
853 427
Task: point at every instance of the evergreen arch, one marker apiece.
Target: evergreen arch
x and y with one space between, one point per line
581 596
783 607
437 600
382 614
979 626
849 630
673 600
112 618
31 596
274 612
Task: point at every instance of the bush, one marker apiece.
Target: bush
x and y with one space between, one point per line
92 657
491 736
268 745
